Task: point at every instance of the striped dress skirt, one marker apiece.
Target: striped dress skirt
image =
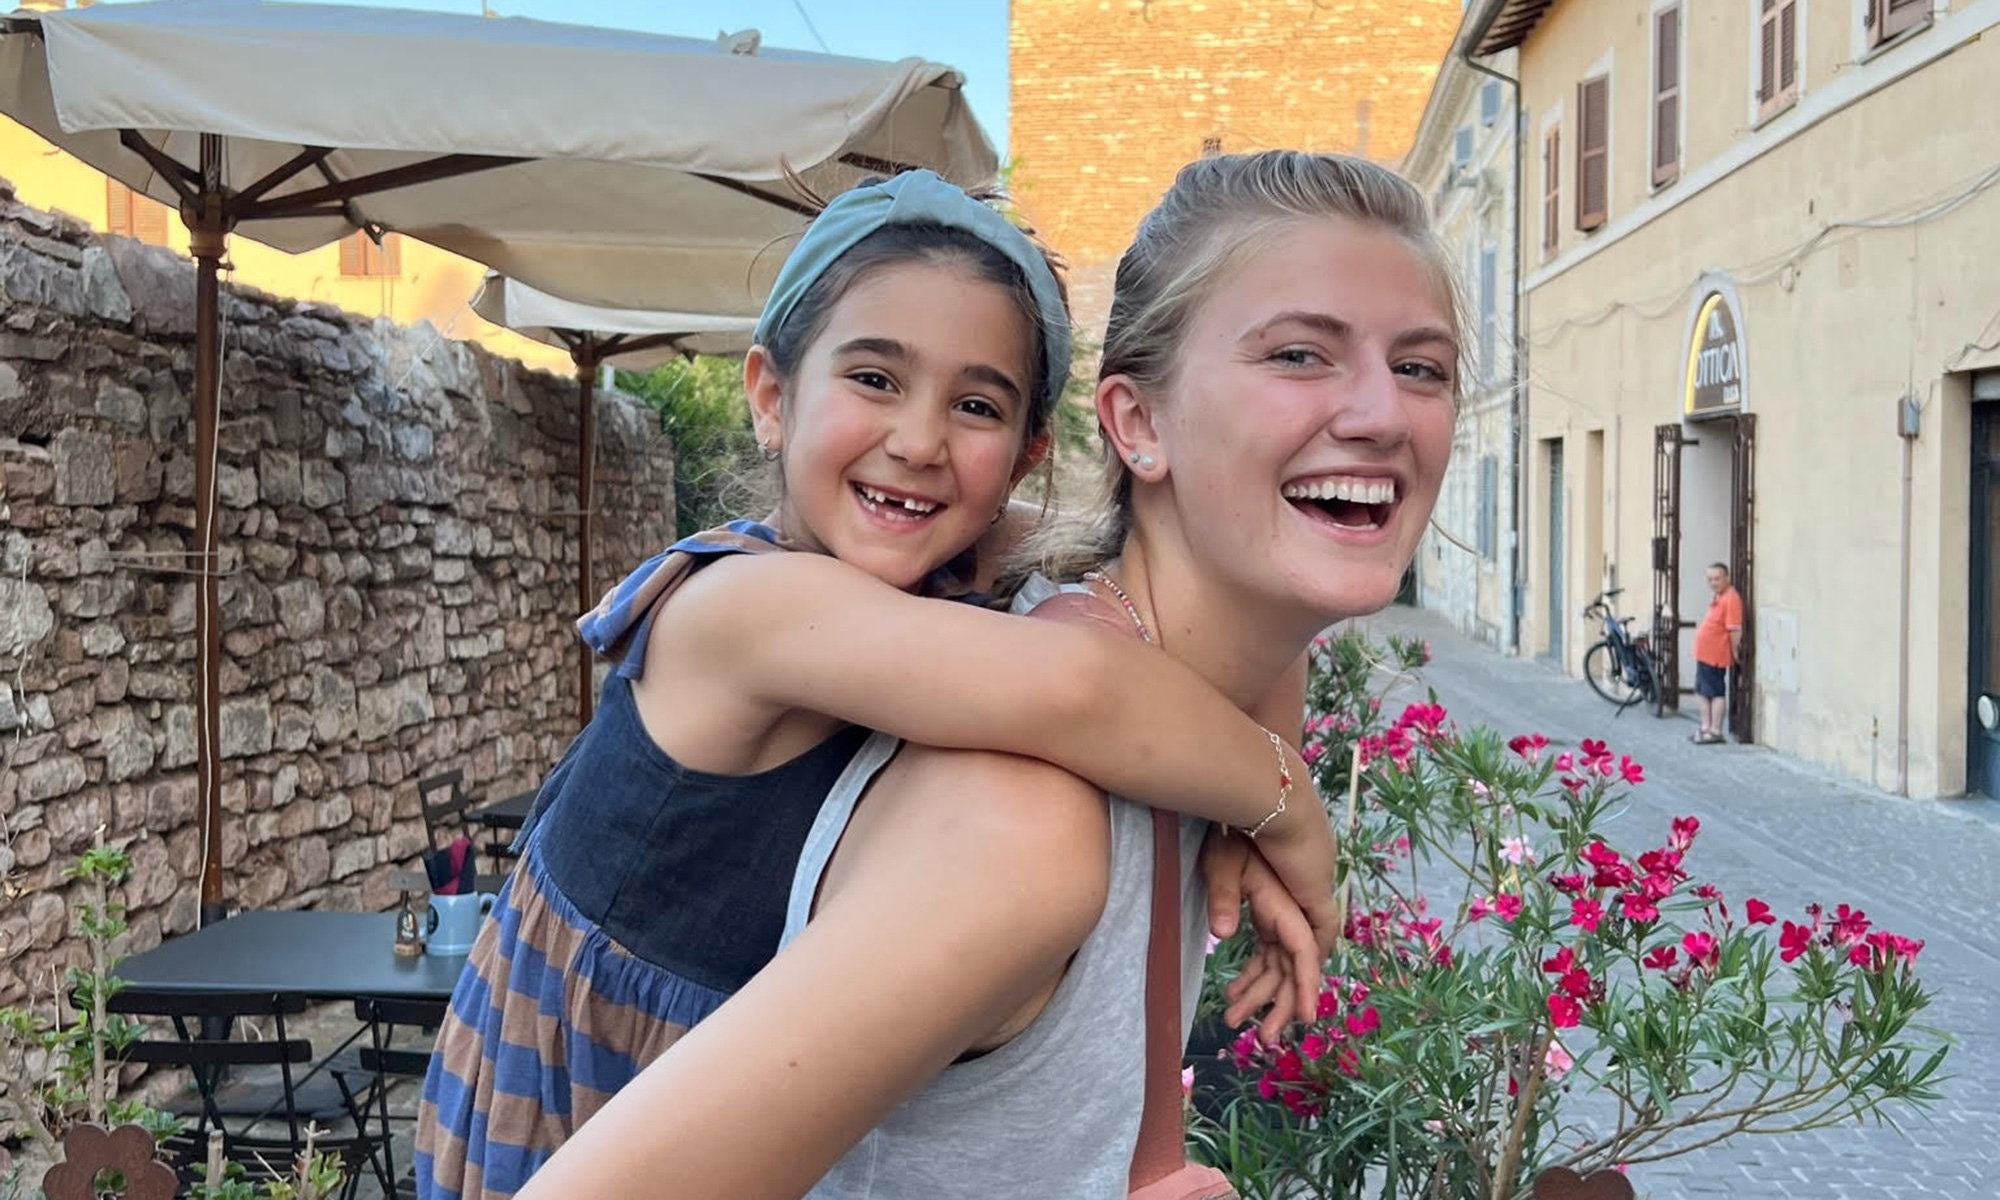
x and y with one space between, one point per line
548 1021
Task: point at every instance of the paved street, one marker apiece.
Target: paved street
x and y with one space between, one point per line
1782 831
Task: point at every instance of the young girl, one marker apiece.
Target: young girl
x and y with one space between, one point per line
907 365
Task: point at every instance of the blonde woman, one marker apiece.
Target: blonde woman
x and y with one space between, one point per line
961 1015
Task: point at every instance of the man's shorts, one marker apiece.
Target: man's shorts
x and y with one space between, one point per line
1710 681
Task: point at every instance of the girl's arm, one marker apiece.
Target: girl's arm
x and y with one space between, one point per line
805 631
764 1096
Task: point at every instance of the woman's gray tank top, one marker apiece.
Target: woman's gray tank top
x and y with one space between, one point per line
1055 1112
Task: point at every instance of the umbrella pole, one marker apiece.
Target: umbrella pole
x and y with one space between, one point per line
208 228
586 358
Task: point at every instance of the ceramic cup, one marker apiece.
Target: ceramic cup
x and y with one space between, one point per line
455 922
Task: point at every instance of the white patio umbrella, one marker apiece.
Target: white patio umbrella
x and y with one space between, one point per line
615 168
594 336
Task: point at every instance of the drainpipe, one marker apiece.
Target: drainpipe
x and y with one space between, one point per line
1518 418
1906 428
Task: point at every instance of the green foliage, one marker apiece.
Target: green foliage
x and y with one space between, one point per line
78 1081
1513 993
703 409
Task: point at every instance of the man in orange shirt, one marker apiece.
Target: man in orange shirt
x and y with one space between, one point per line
1717 642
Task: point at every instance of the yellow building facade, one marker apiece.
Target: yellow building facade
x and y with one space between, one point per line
404 280
1760 308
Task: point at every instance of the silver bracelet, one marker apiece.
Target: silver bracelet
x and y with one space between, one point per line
1284 786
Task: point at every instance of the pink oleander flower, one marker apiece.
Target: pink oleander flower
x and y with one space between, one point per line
1571 884
1528 745
1313 1046
1312 753
1756 912
1560 962
1638 907
1187 1082
1684 829
1663 958
1564 1012
1507 906
1585 913
1556 1062
1517 851
1701 949
1849 925
1479 909
1794 940
1565 761
1632 771
1708 893
1363 1023
1576 982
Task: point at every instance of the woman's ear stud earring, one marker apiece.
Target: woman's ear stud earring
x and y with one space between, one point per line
1146 462
1134 456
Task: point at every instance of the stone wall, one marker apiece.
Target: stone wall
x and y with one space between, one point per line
398 577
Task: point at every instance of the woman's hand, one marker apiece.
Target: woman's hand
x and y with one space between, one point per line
1284 971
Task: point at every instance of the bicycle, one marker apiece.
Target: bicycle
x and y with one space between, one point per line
1620 667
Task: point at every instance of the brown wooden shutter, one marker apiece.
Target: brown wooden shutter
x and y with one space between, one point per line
1895 16
1666 95
150 220
1552 192
389 255
1788 46
1593 135
352 257
1767 53
117 208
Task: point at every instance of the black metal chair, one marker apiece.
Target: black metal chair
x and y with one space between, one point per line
447 812
263 1152
382 1063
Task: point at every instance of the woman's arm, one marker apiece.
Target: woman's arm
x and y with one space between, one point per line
763 1097
804 631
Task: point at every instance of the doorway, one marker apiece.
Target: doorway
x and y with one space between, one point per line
1982 773
1557 549
1704 492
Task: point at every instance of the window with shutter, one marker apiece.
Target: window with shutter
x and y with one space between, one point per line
1666 96
1489 314
129 214
361 258
1461 148
117 208
1489 102
1777 56
1593 145
1551 192
1489 500
1888 19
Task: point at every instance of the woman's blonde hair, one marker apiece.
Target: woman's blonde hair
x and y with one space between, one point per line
1220 211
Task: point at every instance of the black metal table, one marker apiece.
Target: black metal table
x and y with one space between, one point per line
319 955
506 814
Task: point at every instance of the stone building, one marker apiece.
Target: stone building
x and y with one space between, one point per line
1110 97
1761 324
398 533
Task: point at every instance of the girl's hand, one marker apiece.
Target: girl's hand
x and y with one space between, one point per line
1301 848
1285 969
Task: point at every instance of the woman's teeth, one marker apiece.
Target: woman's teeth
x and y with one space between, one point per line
902 508
1355 490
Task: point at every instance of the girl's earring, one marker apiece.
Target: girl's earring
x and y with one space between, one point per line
1143 461
764 450
1000 514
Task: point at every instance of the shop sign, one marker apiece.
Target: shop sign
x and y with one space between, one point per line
1714 384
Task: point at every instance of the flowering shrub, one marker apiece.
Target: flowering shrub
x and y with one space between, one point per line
1516 993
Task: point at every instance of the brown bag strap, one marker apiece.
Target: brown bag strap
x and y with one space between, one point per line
1162 1147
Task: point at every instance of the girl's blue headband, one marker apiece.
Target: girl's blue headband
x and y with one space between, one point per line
914 198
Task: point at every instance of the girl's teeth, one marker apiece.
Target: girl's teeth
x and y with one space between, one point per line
897 504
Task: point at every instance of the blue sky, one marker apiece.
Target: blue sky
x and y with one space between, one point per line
968 34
